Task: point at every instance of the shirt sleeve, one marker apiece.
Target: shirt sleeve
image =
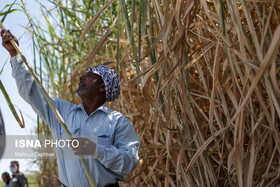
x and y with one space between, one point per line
122 156
31 93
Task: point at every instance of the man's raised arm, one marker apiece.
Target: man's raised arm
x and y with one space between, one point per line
27 87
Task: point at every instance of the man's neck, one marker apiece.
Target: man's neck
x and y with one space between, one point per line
14 174
92 102
91 107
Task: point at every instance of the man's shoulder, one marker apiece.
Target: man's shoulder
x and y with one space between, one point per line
115 113
118 117
20 175
110 110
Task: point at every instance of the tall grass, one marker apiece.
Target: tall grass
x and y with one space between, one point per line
200 82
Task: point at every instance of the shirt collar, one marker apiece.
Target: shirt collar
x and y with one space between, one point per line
103 108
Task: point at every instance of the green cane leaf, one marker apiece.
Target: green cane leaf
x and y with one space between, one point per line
11 106
8 11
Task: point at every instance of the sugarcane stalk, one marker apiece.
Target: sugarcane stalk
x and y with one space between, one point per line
55 111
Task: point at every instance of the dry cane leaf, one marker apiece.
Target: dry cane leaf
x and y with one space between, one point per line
91 23
100 44
273 49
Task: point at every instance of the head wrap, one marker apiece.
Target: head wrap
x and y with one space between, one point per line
111 81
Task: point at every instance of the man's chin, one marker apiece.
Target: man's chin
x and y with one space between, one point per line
81 92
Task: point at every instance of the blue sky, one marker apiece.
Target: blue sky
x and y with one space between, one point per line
16 22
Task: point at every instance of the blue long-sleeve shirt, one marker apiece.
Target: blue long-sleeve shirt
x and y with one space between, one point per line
116 152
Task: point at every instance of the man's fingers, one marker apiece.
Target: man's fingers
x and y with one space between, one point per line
12 35
81 147
4 34
7 44
15 38
86 147
77 139
79 153
7 37
80 150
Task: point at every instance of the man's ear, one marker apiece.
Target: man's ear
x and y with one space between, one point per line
102 87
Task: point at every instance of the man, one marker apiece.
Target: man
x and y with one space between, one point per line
19 179
115 154
6 179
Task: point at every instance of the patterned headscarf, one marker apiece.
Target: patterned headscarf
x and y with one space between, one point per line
111 81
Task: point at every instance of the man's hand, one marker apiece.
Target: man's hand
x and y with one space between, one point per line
6 42
86 147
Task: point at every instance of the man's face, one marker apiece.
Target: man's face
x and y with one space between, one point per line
5 179
15 166
89 84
